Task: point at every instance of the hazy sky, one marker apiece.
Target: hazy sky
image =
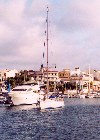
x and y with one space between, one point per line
74 33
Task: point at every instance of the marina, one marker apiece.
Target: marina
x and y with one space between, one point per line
49 70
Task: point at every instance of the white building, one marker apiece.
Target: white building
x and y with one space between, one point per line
4 74
11 73
1 76
77 71
52 75
87 82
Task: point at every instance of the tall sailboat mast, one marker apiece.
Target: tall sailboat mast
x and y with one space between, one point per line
47 102
47 41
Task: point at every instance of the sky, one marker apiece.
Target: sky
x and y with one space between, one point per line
74 33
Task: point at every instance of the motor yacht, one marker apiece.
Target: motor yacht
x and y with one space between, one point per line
26 94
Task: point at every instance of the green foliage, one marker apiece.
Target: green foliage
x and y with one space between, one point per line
18 79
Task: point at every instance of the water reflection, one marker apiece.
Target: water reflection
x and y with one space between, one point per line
23 107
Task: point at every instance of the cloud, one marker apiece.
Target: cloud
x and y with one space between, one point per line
77 26
20 33
73 33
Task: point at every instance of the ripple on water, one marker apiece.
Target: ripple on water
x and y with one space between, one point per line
79 119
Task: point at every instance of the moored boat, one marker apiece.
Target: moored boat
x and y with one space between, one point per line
82 96
51 104
25 94
48 102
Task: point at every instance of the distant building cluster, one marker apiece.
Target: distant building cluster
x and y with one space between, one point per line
81 79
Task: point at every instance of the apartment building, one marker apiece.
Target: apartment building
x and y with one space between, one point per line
64 75
52 75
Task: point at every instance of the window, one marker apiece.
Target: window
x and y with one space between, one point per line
19 89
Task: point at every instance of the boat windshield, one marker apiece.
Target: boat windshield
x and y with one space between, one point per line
29 89
19 89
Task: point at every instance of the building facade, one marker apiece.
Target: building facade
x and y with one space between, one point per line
64 75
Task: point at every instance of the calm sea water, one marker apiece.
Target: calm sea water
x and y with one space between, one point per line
78 120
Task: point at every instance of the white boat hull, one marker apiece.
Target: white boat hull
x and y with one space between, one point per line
18 99
48 103
83 96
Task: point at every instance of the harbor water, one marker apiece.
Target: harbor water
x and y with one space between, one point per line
78 120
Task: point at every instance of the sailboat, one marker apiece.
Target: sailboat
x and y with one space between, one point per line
47 102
